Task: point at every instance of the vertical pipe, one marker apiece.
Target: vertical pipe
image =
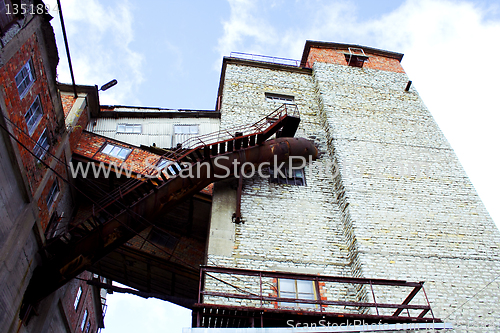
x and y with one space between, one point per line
67 47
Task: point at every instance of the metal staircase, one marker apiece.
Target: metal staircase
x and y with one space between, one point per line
121 214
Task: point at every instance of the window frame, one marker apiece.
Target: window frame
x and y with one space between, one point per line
289 179
115 150
280 98
78 297
123 128
189 126
32 113
40 148
28 71
298 294
53 194
84 320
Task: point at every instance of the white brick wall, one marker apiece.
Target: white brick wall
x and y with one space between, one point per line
375 219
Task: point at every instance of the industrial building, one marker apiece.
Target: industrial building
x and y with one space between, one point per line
36 199
318 192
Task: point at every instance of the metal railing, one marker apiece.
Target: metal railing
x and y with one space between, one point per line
183 149
269 59
228 134
254 289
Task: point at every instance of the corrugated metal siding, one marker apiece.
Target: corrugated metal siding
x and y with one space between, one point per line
159 131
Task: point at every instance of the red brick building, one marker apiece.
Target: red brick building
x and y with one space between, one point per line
37 199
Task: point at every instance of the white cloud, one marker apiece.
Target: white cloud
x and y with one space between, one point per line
449 48
245 27
100 36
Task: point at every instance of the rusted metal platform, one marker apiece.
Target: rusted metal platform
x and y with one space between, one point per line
269 309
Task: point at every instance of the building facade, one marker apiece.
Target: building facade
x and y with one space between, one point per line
360 210
386 199
36 200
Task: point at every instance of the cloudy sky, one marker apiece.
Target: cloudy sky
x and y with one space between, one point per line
169 54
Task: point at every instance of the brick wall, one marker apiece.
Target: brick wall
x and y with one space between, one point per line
337 56
17 107
427 225
90 146
399 207
74 316
286 228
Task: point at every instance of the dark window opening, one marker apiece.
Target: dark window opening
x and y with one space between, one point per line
286 175
270 97
356 57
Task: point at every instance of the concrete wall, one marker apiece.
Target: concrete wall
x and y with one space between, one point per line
399 207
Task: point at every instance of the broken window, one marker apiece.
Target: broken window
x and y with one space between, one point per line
287 176
296 289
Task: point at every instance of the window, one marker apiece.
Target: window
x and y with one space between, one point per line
287 176
279 98
77 298
186 129
53 192
25 78
129 128
84 320
42 145
87 330
33 115
162 163
298 289
165 165
116 151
